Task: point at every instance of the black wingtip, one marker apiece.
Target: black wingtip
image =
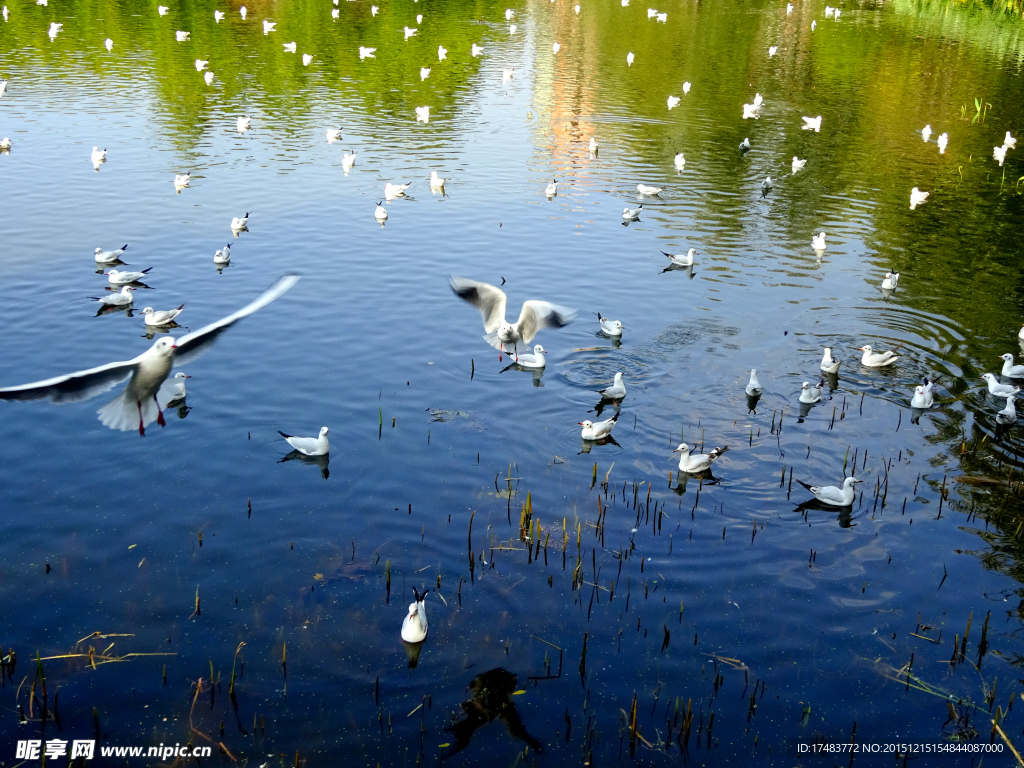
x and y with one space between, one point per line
124 247
146 270
616 416
805 485
182 306
282 434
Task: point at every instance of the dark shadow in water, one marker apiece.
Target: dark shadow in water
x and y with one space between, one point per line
412 652
490 700
689 271
538 373
319 461
701 478
844 514
588 444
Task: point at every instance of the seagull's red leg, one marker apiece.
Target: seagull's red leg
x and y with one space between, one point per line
160 413
142 429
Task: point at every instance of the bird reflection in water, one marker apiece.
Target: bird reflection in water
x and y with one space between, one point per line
490 699
318 461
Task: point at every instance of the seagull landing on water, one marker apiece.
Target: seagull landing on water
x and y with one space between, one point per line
610 327
917 197
309 446
161 317
125 277
890 281
753 386
616 391
923 397
828 363
122 299
500 334
551 189
672 101
380 214
999 390
682 259
873 359
818 241
798 164
107 257
695 463
744 146
414 628
812 124
811 394
597 430
632 214
1010 370
835 497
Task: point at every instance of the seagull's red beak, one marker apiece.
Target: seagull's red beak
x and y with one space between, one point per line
186 375
175 346
580 423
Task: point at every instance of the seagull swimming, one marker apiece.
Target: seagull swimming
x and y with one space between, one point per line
798 164
289 47
511 29
753 386
556 47
181 36
597 430
645 189
243 123
772 50
551 189
609 327
695 463
501 334
873 359
923 397
333 134
818 241
5 144
160 317
182 179
138 404
125 277
395 190
999 153
836 497
1009 141
240 222
745 146
917 197
809 393
242 11
409 32
890 281
679 161
476 50
161 10
672 101
766 186
593 145
347 161
423 113
424 73
208 77
373 10
309 446
222 256
116 299
926 132
506 74
509 13
828 363
414 628
629 59
1009 414
632 214
306 59
109 44
380 214
442 53
218 16
268 26
750 110
201 64
535 359
436 181
367 53
942 141
106 257
999 390
616 391
682 259
812 124
1010 370
686 87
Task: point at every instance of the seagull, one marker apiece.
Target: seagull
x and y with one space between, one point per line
535 359
679 160
644 189
828 363
175 388
55 28
632 214
789 8
208 77
1009 141
1009 414
609 327
222 256
555 48
596 430
506 74
511 29
997 389
686 87
380 214
999 153
335 13
629 59
240 223
181 36
409 32
682 259
182 179
551 189
766 186
423 113
836 14
268 26
750 110
476 50
5 144
99 155
6 13
161 10
306 59
745 146
109 44
874 359
106 257
772 50
348 160
926 132
373 10
243 123
835 497
917 197
218 16
333 134
509 13
424 72
812 124
942 141
753 386
436 181
890 281
798 164
616 391
122 299
813 25
501 334
419 18
662 17
161 317
134 407
289 47
923 397
818 241
695 463
242 11
442 53
593 145
414 628
1010 370
125 277
309 446
672 101
201 64
651 13
395 190
811 394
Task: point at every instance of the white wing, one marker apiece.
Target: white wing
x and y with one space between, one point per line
488 299
192 345
829 494
74 387
305 445
541 314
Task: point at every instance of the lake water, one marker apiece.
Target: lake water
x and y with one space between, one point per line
719 595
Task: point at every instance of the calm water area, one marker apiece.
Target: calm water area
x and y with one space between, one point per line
589 604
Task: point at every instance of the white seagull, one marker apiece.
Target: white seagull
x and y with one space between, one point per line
890 281
679 161
182 179
109 44
138 405
290 47
218 16
395 190
367 53
999 390
597 430
753 386
1009 141
809 393
629 59
616 391
917 197
828 363
208 77
999 153
551 189
240 222
476 50
409 32
686 87
812 124
414 628
1010 370
442 53
121 299
772 50
695 463
942 141
535 359
106 257
632 214
268 26
380 214
242 11
423 114
306 59
333 134
161 317
836 497
751 110
609 327
125 277
243 124
161 10
682 259
222 256
873 359
646 189
593 145
818 241
436 181
201 64
347 161
309 446
923 397
373 10
798 164
501 334
1009 414
672 101
745 145
926 132
556 47
181 36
